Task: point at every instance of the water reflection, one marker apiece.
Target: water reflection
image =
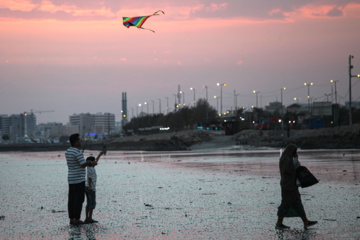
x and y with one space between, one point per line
89 230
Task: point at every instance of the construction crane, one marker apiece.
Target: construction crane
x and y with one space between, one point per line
41 111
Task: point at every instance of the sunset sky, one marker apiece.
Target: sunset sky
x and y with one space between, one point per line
75 56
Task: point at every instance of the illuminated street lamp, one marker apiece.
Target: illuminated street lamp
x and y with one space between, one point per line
282 109
147 107
256 92
221 85
217 103
193 89
308 85
183 94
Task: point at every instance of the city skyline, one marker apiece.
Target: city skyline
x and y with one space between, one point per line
77 57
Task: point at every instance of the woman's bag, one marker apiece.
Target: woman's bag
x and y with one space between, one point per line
305 177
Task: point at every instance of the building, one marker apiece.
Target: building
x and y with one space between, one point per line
322 109
18 126
93 125
354 104
275 107
55 130
298 108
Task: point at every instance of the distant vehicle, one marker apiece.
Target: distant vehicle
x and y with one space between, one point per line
266 123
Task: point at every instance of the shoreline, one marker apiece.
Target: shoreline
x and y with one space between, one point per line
346 137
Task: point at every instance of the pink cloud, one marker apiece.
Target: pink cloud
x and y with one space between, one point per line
239 62
216 7
179 63
20 5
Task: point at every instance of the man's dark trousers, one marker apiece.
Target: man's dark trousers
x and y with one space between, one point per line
76 199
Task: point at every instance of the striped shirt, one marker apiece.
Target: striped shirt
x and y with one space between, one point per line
75 159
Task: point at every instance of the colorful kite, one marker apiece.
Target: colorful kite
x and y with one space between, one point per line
138 21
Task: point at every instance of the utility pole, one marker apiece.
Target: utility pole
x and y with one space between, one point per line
350 67
351 76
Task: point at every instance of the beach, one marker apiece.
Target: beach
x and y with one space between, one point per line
223 193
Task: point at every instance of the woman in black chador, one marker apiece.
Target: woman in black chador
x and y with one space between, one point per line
291 205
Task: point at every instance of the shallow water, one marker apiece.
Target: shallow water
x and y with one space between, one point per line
220 194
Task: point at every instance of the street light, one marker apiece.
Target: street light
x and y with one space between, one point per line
221 84
335 109
153 106
297 100
183 94
206 88
217 103
167 105
159 105
332 81
193 89
282 110
147 107
308 85
256 92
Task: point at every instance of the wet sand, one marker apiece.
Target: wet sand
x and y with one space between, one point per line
219 194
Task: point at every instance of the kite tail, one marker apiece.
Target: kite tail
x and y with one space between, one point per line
156 13
148 29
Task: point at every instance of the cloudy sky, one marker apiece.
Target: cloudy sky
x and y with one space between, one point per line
74 56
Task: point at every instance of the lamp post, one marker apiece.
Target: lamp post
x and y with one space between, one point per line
147 107
235 101
159 105
297 100
332 81
308 86
167 105
137 110
335 108
183 94
256 92
206 90
193 89
282 109
221 85
153 106
175 105
217 104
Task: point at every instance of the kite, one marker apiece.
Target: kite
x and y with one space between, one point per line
138 21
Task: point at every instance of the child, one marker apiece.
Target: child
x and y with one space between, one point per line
90 188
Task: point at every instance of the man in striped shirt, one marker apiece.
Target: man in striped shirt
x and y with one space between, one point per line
76 178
